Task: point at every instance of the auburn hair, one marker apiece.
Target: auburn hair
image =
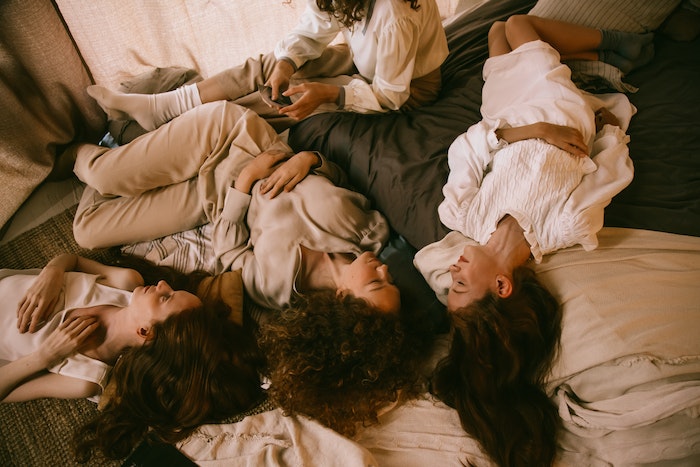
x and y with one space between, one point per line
493 375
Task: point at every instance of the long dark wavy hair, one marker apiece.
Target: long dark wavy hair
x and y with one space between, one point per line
339 361
197 367
501 351
349 12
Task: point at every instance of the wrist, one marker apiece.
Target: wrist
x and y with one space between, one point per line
313 158
40 360
285 66
243 183
318 160
62 262
333 94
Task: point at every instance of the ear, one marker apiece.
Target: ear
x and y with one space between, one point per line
340 293
144 333
504 286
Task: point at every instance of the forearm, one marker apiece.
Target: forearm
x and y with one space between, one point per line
114 276
15 373
520 133
71 262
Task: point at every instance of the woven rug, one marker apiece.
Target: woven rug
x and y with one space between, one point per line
39 433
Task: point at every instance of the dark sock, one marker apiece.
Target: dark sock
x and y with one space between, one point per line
626 44
624 64
610 57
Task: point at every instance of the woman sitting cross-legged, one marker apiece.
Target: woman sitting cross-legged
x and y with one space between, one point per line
390 60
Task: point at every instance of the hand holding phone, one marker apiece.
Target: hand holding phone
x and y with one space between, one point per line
266 93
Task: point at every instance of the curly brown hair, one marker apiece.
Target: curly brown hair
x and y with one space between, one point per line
349 12
502 349
338 360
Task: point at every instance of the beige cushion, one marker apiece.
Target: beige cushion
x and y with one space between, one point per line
43 99
624 15
638 16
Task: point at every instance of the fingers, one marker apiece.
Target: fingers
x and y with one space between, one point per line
578 148
78 328
275 185
23 315
31 313
67 338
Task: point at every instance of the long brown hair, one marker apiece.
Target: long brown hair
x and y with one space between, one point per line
338 360
198 367
349 12
494 373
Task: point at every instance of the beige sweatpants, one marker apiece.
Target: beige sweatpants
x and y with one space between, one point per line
169 180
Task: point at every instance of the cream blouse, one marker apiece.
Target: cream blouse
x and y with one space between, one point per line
391 46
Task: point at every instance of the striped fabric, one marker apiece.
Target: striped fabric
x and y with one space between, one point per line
186 251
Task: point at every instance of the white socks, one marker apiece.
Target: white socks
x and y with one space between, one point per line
149 110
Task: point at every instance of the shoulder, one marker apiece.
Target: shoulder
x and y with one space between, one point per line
391 11
121 278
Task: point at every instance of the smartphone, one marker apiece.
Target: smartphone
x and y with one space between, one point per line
266 93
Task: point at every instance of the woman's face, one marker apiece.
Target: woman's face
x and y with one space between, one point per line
368 278
160 301
472 277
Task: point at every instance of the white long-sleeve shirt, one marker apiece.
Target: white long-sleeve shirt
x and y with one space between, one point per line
557 199
392 45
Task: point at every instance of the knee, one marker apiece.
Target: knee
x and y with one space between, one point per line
82 235
497 30
517 23
220 114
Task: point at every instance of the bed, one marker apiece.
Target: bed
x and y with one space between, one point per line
627 377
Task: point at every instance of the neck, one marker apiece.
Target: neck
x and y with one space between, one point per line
316 270
116 333
508 243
